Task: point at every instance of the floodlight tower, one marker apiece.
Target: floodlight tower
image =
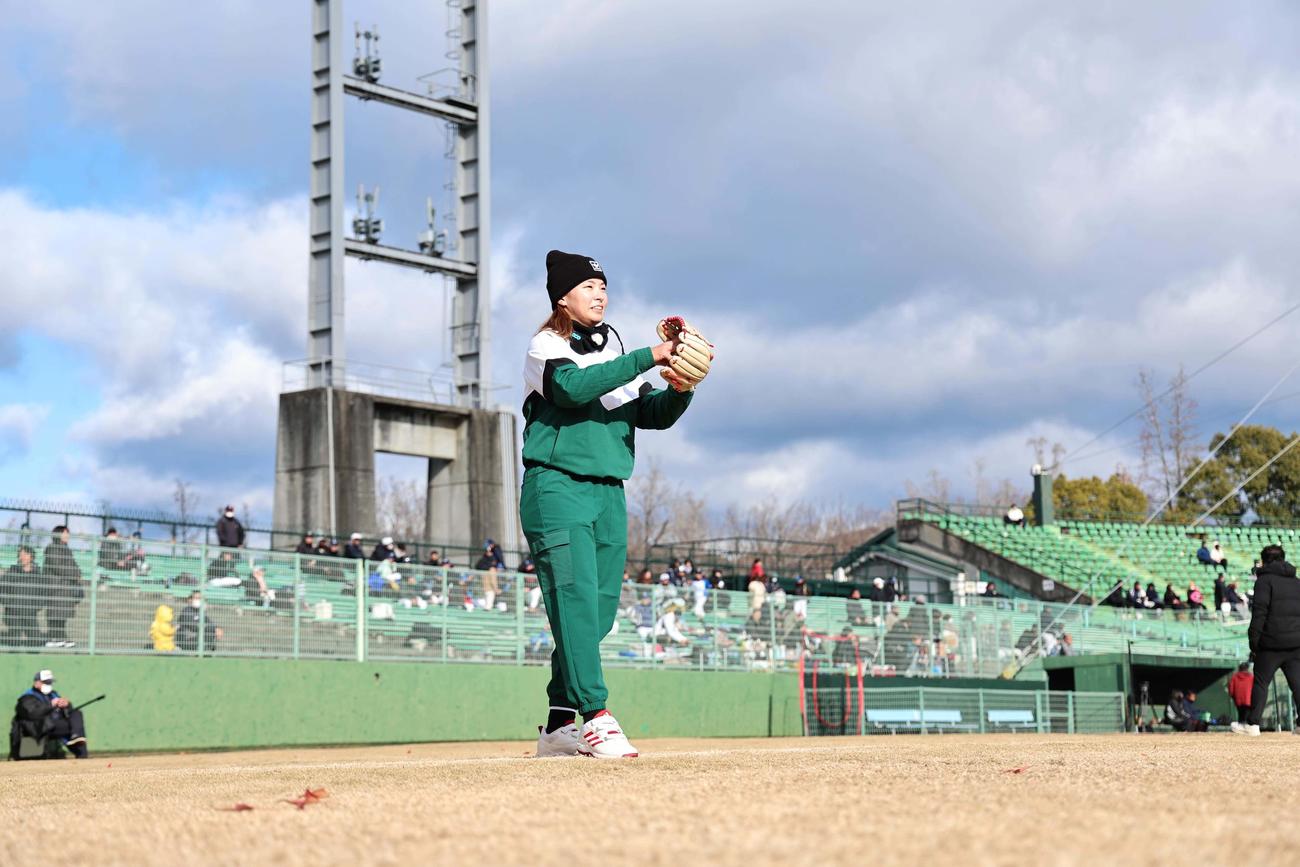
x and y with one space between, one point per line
466 108
335 414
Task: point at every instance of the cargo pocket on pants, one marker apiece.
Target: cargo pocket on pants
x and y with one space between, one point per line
554 557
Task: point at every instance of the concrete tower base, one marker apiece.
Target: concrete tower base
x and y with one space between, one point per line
472 480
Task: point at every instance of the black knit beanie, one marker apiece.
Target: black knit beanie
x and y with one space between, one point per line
566 270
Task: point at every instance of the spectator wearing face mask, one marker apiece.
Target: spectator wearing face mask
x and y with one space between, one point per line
43 714
62 587
191 619
230 533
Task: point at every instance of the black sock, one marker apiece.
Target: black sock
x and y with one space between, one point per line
559 717
592 714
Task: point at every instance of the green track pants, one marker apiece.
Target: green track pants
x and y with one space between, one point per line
577 532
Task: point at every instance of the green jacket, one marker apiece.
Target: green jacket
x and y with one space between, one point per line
584 401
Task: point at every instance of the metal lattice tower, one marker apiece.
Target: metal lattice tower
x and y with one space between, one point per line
465 108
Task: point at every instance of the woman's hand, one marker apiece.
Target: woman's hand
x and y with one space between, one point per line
663 352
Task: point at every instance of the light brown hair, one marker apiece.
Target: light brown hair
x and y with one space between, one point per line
559 321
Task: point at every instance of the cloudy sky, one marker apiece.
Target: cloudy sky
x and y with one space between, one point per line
919 234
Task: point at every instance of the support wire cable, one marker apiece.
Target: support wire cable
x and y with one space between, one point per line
1033 645
1204 367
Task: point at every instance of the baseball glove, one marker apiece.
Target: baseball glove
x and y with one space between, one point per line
692 354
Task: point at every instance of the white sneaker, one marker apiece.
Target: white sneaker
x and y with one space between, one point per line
603 738
1242 729
561 742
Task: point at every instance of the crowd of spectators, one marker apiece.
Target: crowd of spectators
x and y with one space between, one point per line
1228 602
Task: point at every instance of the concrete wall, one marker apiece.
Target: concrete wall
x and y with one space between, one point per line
169 704
302 462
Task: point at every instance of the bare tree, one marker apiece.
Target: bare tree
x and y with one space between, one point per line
649 511
187 507
400 506
1168 435
936 487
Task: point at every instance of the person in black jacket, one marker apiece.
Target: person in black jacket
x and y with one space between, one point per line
1274 631
43 713
230 533
187 626
62 588
20 594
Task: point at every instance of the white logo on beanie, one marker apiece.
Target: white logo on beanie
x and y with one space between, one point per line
595 266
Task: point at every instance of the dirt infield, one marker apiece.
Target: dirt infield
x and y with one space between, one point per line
1006 799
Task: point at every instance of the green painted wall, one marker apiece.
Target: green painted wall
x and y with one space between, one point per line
168 704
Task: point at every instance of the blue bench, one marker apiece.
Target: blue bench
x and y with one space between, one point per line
1012 719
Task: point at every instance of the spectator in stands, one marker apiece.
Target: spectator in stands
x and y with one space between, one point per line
1153 599
353 550
323 547
756 570
307 546
721 598
854 611
1067 646
1137 598
528 567
1220 593
801 592
757 588
188 626
1218 558
112 556
1274 632
990 590
1195 599
437 561
386 579
162 632
401 556
62 587
667 624
230 533
646 576
488 564
667 590
135 559
1203 555
1240 686
643 618
382 549
256 590
494 551
1233 600
699 591
846 649
21 595
1172 599
1015 515
221 571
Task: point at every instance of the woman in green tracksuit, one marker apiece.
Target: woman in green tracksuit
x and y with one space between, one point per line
584 401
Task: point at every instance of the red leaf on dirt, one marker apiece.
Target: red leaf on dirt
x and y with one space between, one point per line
1019 770
241 807
308 796
109 765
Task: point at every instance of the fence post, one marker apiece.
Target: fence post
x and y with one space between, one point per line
94 597
519 618
771 631
299 597
446 604
983 715
717 649
920 700
203 596
1069 703
1039 712
363 609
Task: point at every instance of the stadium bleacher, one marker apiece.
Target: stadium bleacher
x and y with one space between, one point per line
316 616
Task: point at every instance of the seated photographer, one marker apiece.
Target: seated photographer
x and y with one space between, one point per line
42 713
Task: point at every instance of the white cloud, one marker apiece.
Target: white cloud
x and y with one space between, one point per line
19 423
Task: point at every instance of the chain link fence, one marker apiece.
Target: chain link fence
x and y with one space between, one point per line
128 596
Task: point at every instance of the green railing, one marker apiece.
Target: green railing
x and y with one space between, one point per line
330 608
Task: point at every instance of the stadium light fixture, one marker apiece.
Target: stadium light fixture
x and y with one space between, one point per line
367 67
